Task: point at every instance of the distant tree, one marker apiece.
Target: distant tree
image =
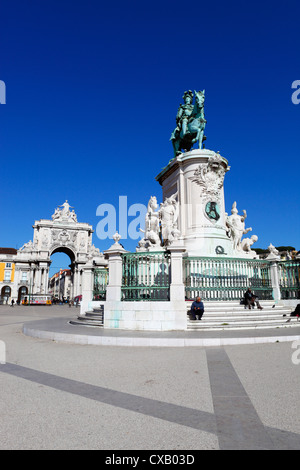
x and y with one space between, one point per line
260 251
285 248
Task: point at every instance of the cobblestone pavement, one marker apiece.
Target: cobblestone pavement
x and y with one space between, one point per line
71 396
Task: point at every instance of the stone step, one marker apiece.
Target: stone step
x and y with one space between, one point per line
221 327
228 302
244 320
232 315
87 323
241 327
244 313
245 324
92 315
216 305
238 318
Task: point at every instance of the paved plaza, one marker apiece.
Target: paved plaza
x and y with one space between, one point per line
58 395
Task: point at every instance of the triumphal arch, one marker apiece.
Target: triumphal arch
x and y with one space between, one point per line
62 233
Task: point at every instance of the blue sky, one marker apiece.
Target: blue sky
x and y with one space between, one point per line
92 91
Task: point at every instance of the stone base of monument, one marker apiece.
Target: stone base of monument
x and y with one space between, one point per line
150 316
171 316
196 179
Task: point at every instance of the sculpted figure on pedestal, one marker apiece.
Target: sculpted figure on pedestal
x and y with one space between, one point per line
274 253
248 242
190 122
64 214
236 227
152 223
168 214
27 247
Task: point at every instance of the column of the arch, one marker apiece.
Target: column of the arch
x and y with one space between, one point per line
45 277
37 280
75 281
79 282
15 287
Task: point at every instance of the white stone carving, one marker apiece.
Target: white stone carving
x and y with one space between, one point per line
246 244
273 252
236 227
168 214
45 239
152 229
61 234
210 176
116 237
64 237
27 247
64 214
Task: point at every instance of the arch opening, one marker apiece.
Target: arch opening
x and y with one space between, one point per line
61 274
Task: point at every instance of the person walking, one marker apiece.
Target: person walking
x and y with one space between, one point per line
197 309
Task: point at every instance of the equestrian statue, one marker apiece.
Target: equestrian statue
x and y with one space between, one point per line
190 122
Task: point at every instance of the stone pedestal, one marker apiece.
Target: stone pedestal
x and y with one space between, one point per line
113 289
87 288
197 178
177 288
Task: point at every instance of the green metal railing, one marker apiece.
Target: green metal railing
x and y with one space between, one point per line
216 279
289 279
146 276
100 283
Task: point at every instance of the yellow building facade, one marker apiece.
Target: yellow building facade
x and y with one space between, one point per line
7 273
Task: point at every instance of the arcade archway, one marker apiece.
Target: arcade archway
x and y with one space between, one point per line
5 294
22 292
62 234
62 273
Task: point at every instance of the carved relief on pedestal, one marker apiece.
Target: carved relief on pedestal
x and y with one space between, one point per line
210 177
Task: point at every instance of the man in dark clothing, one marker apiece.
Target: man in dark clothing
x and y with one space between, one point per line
296 312
197 309
251 300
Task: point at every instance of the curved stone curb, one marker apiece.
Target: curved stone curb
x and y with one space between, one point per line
105 340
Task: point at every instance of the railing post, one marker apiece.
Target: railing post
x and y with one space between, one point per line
275 281
114 254
87 287
177 288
